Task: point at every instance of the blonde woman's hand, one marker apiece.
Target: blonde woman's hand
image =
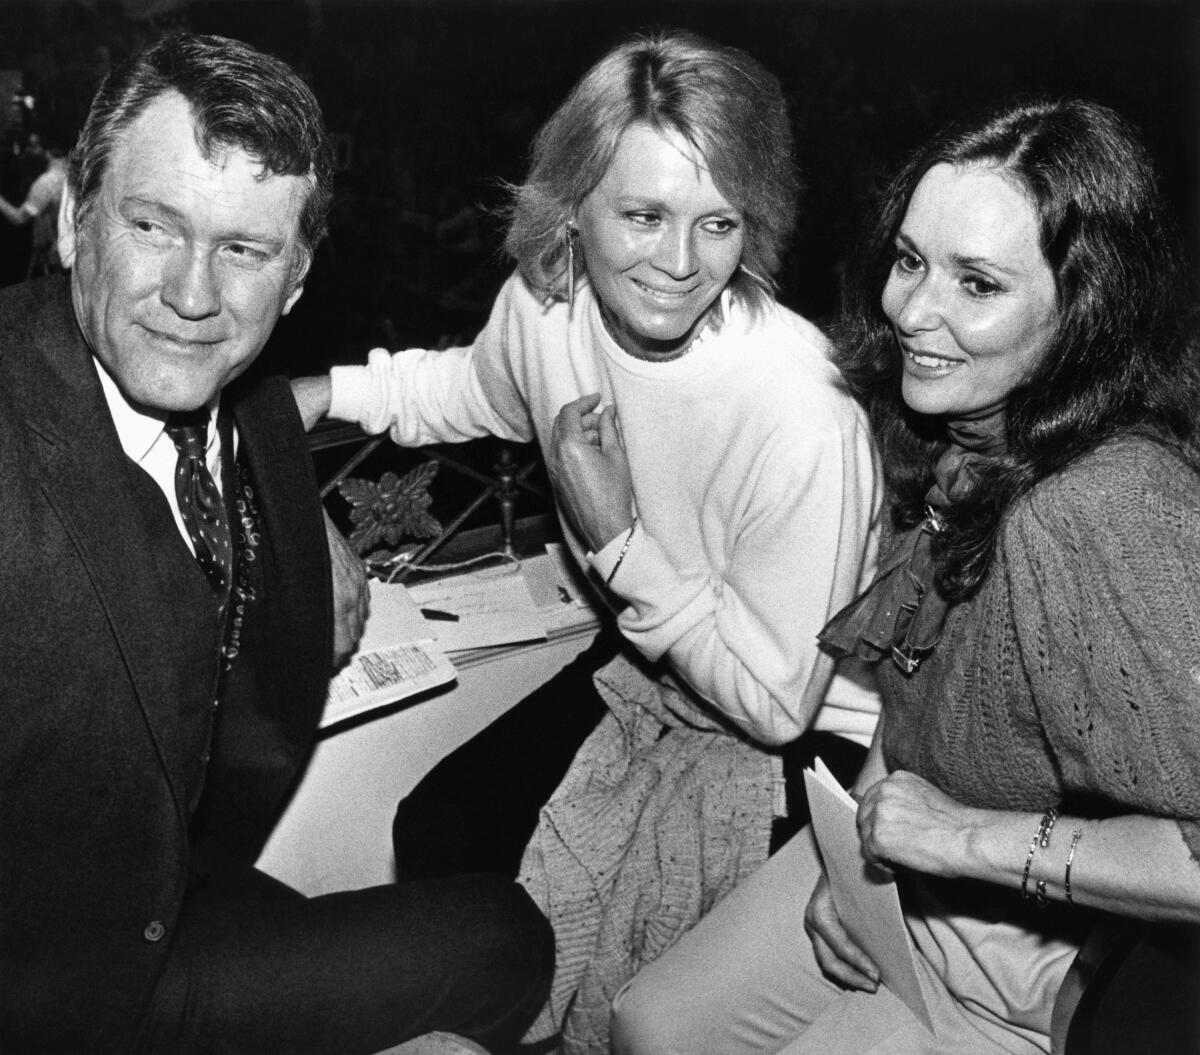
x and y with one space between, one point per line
590 471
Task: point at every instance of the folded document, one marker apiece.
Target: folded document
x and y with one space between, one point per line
396 658
865 895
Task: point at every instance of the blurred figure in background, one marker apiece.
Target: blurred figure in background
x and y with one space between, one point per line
41 205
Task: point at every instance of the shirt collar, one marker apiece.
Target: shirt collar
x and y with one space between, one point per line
138 430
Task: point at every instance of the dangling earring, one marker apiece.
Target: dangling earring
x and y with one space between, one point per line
572 234
754 276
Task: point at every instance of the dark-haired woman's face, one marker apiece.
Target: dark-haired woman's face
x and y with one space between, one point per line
660 242
970 297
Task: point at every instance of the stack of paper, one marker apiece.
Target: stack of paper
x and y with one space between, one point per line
412 628
480 609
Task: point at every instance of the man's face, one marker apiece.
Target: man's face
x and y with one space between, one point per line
182 266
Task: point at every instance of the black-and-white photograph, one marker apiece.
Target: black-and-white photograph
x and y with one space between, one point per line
569 527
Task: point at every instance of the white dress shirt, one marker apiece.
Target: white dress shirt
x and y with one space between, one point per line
144 440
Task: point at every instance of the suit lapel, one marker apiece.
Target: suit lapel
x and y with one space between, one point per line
275 450
84 475
276 689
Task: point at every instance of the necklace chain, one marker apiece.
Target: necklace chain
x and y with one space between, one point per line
668 358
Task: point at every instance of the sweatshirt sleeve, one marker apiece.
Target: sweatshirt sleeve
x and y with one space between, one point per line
422 396
1104 565
745 639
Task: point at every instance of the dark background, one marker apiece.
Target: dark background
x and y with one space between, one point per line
433 102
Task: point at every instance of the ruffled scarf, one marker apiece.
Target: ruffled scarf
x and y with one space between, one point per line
901 613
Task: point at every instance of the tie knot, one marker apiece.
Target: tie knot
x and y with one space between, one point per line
189 432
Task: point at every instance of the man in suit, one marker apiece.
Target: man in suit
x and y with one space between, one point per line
165 624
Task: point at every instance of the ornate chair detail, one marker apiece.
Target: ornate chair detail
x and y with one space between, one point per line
385 512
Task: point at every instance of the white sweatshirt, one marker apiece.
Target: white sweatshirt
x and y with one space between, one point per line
753 478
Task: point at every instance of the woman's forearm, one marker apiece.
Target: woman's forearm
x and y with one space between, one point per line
312 398
1131 866
742 632
1135 866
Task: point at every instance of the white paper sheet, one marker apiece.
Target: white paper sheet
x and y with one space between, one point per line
564 599
865 896
395 618
395 659
385 675
493 606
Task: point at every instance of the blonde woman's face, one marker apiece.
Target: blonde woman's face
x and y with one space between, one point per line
659 241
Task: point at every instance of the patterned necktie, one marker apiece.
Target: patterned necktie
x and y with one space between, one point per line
199 499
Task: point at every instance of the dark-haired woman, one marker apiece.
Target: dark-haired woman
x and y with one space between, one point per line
1013 326
715 479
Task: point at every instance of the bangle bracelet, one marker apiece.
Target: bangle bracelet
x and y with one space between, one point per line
1076 835
1039 893
1041 838
621 555
1047 827
1029 861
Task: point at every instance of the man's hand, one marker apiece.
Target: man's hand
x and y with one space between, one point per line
351 598
312 395
590 470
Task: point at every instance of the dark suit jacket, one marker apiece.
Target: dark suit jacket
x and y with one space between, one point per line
94 839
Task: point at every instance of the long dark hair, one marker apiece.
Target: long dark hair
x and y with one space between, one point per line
1118 359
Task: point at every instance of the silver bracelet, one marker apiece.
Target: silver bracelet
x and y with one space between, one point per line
1076 835
1041 838
621 555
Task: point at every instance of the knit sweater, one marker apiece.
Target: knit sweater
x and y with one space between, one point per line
752 476
1072 676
